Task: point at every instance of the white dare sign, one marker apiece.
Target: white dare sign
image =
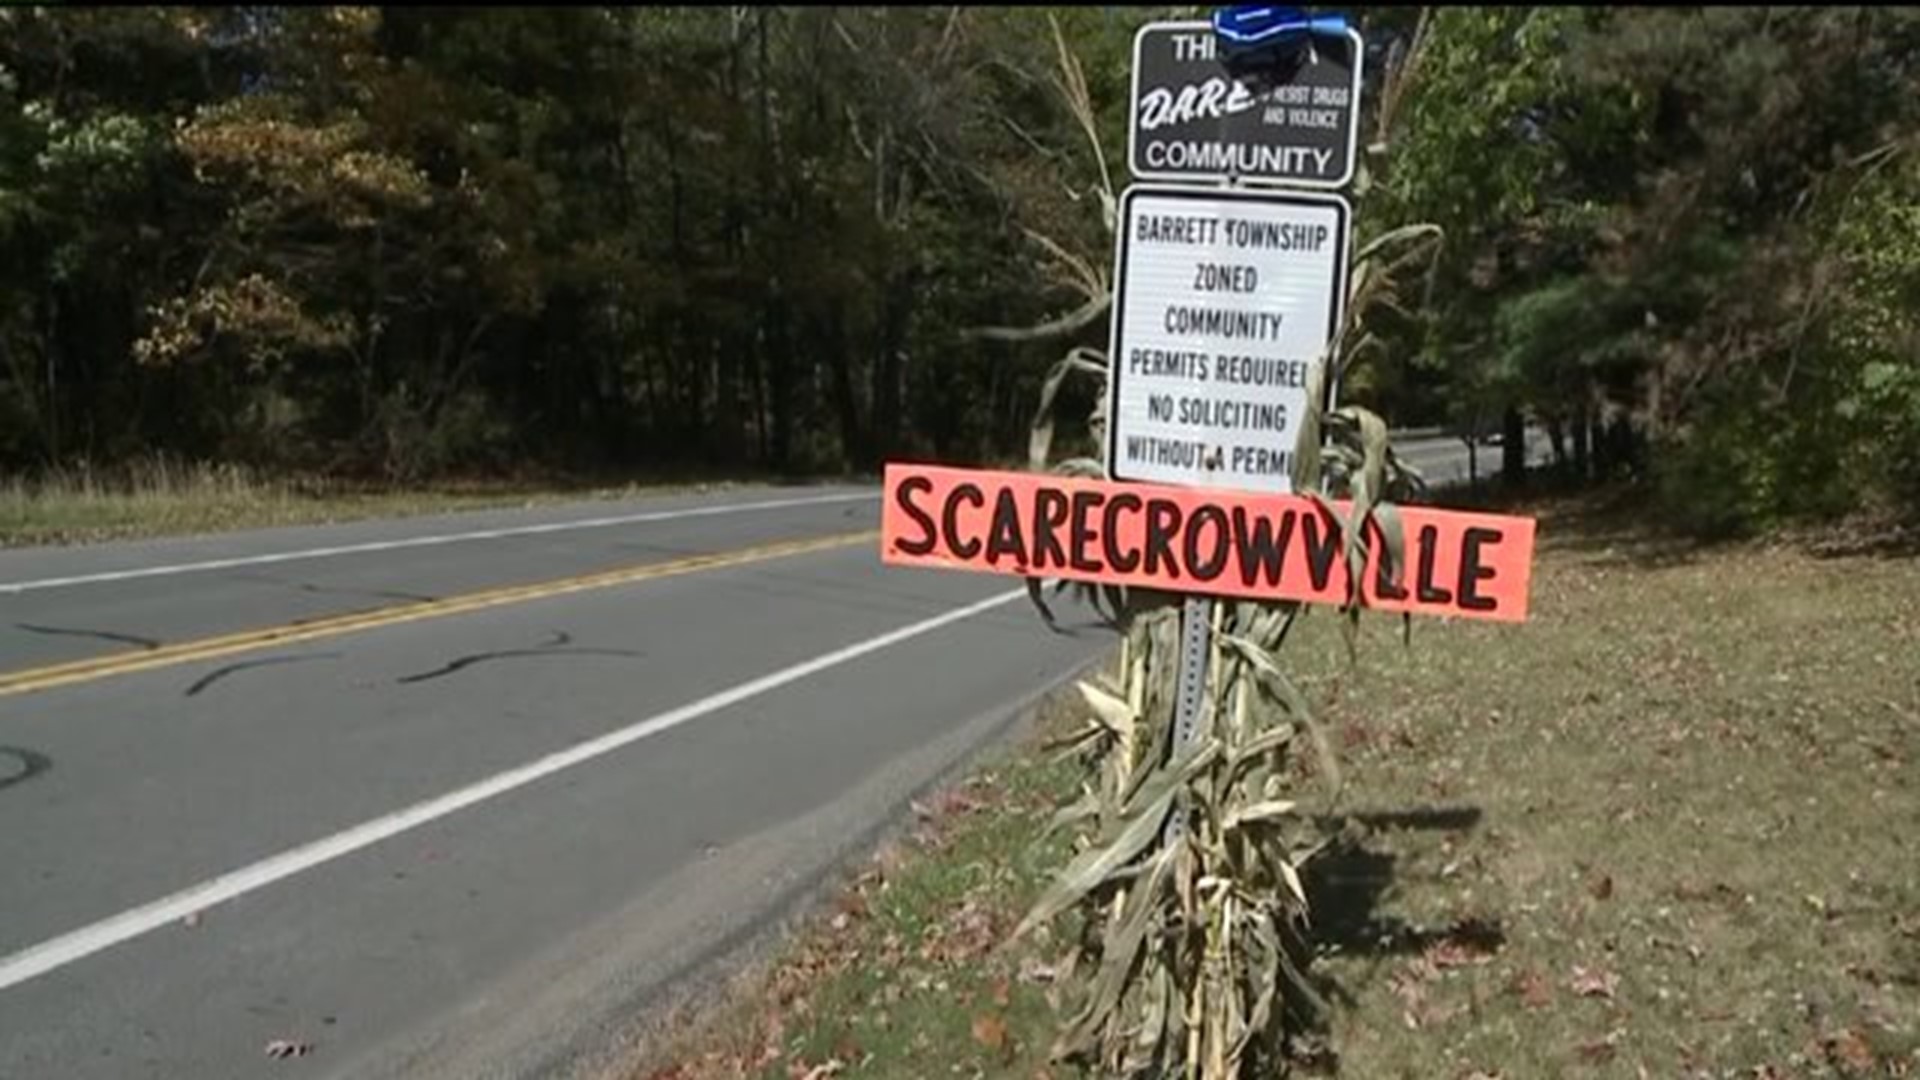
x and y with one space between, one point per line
1225 302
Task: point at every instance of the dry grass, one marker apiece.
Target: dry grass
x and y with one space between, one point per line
1666 828
163 497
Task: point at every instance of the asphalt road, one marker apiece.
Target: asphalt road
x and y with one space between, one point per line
756 721
454 796
1445 461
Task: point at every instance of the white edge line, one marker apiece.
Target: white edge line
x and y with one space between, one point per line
10 587
78 944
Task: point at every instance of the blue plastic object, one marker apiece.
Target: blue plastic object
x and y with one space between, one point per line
1260 42
1251 25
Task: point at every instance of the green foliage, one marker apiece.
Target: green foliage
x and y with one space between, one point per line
404 240
1676 234
795 238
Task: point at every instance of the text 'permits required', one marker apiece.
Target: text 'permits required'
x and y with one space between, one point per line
1224 305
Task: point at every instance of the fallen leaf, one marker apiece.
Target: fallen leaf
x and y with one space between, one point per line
853 904
1033 970
1593 983
1453 954
990 1031
1852 1051
1534 990
1598 1052
287 1048
959 802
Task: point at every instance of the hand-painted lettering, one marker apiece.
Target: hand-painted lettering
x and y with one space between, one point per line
1207 566
1321 551
1472 571
1050 512
1261 556
1003 539
1083 536
1125 562
950 519
1222 543
1163 524
1386 577
1425 588
903 497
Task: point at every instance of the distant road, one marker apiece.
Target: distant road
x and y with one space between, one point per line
452 796
1444 460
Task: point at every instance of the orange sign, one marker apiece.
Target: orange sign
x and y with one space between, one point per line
1223 543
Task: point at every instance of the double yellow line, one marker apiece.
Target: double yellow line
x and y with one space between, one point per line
213 648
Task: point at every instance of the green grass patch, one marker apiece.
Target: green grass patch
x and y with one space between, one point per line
1666 828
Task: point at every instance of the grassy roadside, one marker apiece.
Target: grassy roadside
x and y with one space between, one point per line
1666 828
161 498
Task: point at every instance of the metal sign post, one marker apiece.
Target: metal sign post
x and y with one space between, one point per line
1224 301
1224 297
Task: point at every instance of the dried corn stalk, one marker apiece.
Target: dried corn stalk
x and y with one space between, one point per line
1193 946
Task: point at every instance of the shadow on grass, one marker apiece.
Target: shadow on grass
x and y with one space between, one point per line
1349 881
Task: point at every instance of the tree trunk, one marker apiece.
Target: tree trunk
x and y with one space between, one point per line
726 436
780 388
853 439
765 355
1513 448
51 338
1582 444
896 313
1603 457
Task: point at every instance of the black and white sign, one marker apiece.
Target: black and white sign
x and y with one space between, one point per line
1226 300
1192 120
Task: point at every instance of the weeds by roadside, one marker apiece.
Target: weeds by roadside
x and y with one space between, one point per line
1664 829
163 496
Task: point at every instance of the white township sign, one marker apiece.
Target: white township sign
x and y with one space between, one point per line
1226 301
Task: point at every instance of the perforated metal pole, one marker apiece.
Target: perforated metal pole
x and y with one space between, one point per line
1196 648
1190 690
